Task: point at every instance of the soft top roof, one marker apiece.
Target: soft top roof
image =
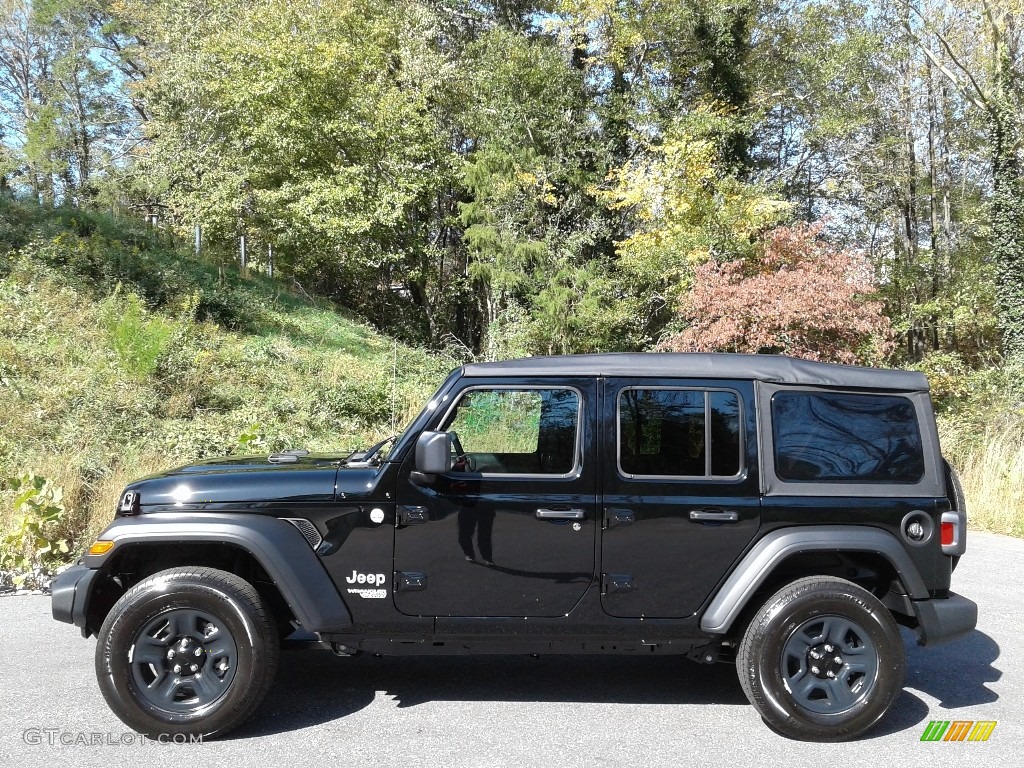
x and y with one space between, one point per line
773 368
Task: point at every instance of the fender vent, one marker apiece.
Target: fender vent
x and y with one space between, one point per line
307 529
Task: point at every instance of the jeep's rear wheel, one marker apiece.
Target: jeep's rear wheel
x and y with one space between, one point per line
822 660
187 651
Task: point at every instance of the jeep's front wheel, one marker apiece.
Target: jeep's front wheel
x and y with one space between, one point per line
188 651
822 660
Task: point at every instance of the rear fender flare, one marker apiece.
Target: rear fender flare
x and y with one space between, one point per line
759 563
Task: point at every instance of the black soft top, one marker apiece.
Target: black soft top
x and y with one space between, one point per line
778 369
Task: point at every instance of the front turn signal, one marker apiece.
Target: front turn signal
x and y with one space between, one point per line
101 547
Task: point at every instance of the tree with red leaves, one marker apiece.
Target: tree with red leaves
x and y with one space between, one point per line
802 297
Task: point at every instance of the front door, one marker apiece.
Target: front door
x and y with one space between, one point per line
681 498
510 531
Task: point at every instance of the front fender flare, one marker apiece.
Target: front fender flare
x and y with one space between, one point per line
276 545
758 564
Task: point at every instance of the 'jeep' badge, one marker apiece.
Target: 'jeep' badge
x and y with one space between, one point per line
370 579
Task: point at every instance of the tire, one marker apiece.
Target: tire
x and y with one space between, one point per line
188 651
838 629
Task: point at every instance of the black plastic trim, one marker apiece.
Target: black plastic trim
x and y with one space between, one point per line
776 546
277 545
69 595
945 619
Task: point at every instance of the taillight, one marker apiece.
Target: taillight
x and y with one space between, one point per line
952 533
948 534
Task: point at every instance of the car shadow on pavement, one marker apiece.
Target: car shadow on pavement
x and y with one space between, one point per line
316 687
956 673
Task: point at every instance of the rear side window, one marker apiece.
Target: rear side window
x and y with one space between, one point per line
679 433
846 438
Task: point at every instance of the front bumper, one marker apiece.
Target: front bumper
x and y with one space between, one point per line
70 593
945 619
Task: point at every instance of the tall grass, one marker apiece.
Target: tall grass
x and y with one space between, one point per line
990 460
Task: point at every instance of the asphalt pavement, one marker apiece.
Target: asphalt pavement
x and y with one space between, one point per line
519 711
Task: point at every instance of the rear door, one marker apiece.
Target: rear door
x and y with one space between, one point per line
511 530
681 496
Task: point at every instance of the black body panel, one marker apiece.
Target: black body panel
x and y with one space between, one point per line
617 561
538 567
657 561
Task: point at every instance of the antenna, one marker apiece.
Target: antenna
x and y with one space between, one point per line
394 390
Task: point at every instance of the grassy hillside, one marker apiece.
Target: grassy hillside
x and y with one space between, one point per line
120 356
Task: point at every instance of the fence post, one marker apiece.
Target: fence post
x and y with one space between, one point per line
241 253
199 240
270 260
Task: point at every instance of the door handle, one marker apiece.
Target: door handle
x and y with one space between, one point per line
560 514
714 516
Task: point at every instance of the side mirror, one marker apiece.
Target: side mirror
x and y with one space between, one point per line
434 453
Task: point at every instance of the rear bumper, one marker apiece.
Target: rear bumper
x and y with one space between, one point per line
69 595
945 619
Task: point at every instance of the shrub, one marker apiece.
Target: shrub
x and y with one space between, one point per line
138 338
30 549
801 297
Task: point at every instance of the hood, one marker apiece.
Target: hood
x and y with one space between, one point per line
253 480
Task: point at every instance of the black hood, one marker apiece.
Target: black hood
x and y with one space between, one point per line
254 479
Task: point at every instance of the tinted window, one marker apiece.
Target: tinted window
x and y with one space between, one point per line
823 437
667 432
518 431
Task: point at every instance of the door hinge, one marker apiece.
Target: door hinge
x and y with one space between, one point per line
410 581
614 517
616 582
412 515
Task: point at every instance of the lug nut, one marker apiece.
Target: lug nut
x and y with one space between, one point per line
815 655
831 674
194 667
170 654
197 652
177 669
184 643
839 659
829 649
815 670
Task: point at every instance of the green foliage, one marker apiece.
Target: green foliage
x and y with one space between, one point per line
31 546
948 377
252 439
138 338
103 386
500 421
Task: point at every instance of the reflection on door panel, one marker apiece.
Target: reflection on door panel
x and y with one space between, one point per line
680 500
512 526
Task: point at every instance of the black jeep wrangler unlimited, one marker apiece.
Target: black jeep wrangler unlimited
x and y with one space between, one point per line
782 514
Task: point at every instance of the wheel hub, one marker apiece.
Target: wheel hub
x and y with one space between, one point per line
825 661
186 656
